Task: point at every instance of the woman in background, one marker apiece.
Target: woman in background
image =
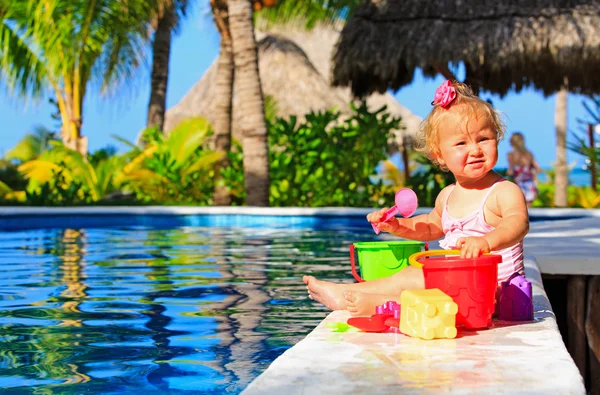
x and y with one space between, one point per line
523 167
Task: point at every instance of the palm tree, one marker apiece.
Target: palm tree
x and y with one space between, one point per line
167 21
247 82
252 108
561 179
64 45
223 97
310 12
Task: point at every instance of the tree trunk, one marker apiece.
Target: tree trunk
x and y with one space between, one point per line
161 51
71 117
252 108
561 172
223 98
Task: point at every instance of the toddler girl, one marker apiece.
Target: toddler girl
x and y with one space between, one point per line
481 212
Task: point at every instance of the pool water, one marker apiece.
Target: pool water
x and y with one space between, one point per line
141 310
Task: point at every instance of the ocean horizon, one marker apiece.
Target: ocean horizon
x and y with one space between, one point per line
577 176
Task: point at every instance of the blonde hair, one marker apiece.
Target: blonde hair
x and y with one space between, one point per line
517 141
427 139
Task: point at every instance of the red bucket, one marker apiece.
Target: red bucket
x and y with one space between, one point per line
471 283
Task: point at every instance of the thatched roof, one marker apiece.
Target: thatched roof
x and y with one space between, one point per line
294 69
505 45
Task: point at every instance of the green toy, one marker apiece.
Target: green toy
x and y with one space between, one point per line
378 259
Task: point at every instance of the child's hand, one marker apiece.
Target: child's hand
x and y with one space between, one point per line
472 247
389 226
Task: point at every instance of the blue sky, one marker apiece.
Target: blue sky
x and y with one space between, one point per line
196 47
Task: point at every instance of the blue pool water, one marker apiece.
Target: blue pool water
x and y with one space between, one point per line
143 310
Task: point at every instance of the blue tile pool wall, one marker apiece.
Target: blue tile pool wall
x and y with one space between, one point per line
162 221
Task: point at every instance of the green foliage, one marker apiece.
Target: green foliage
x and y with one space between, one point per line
98 179
31 146
545 196
581 143
428 180
584 197
10 176
70 42
580 146
308 13
59 190
328 160
234 174
177 169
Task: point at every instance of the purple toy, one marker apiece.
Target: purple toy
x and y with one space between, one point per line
390 307
516 302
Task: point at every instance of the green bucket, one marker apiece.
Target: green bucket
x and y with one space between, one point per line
378 259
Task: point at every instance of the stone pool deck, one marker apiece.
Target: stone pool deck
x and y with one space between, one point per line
509 358
528 358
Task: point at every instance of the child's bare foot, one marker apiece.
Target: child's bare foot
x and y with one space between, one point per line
329 294
363 303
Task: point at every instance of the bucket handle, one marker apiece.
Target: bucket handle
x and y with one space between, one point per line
413 259
353 265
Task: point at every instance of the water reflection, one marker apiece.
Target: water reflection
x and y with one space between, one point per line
180 310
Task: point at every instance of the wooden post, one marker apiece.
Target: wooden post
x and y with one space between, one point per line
593 169
576 300
592 329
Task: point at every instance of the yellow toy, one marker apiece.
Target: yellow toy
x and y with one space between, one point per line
428 314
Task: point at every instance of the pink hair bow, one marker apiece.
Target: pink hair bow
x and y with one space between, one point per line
444 94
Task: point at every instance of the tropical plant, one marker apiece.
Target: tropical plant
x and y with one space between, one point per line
31 146
585 145
592 154
233 19
233 174
59 190
10 176
307 13
96 180
585 197
428 181
4 190
177 168
328 160
64 45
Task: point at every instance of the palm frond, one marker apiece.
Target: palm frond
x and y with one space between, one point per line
23 71
39 170
308 13
186 138
138 161
4 189
31 146
204 162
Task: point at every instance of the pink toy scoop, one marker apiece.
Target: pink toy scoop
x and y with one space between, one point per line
406 205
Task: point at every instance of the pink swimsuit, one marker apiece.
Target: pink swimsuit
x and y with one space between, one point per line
475 225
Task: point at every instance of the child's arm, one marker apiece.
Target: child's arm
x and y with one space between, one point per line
511 229
424 227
